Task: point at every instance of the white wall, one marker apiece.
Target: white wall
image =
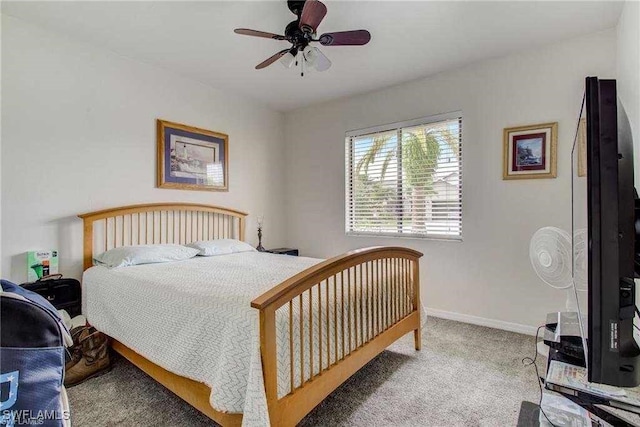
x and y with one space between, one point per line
487 278
628 72
79 134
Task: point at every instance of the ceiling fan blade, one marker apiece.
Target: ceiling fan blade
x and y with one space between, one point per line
272 59
345 38
255 33
322 62
313 13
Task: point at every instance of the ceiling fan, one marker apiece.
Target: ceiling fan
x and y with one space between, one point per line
301 32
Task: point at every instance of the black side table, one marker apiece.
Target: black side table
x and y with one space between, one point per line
284 251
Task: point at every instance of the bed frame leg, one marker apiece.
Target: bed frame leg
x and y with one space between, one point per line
417 337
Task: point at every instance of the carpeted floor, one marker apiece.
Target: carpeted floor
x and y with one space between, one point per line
465 375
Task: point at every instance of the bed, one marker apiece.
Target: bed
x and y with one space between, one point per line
248 338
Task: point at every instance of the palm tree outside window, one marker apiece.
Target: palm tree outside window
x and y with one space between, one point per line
405 179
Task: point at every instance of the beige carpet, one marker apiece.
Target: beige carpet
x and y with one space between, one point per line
465 375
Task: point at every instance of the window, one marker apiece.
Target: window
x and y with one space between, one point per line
405 179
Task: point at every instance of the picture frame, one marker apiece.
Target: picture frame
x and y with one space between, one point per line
582 148
530 152
190 158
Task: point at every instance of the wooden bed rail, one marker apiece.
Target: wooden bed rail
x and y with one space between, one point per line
340 314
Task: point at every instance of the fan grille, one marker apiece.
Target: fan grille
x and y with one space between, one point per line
551 256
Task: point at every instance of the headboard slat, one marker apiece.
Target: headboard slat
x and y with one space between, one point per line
201 222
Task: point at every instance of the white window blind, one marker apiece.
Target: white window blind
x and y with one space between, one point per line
405 179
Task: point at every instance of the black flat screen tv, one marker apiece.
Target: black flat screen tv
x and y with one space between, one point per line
613 237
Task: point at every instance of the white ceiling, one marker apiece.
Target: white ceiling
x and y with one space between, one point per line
409 39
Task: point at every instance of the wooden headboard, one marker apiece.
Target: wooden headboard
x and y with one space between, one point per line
158 223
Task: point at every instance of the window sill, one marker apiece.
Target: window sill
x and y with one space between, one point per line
441 238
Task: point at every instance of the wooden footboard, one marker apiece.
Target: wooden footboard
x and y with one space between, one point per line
337 316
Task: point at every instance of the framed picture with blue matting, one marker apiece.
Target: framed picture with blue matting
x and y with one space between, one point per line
191 158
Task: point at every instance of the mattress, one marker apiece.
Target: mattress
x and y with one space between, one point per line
194 318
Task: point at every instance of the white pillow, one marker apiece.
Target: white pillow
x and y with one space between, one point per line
221 247
125 256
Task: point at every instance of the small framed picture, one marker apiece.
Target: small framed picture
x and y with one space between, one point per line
530 151
582 147
190 158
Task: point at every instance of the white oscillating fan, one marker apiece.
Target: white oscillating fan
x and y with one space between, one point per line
560 267
551 257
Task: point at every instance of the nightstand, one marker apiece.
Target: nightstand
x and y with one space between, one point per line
283 251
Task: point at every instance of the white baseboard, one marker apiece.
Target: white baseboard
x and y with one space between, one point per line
482 321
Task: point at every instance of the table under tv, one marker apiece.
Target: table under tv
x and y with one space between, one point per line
568 402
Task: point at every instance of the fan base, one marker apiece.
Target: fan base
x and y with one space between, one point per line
299 38
295 6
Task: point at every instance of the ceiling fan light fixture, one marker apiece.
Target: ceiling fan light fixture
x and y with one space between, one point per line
316 59
288 60
311 55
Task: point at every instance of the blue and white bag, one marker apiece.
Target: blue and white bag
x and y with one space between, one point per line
33 339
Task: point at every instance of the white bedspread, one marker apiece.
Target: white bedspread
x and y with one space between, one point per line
194 318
